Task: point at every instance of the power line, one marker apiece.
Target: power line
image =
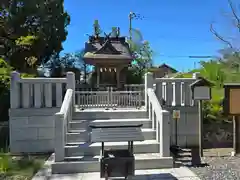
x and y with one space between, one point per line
138 16
188 56
172 20
185 38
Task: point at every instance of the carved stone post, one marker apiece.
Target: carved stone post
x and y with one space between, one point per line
148 84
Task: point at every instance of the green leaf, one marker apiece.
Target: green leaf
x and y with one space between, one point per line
25 40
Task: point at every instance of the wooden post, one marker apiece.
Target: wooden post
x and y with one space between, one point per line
118 77
236 135
176 131
98 76
200 129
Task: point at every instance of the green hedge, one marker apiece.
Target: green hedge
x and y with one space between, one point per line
5 73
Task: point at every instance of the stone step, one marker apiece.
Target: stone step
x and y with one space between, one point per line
77 124
81 164
84 148
109 114
83 135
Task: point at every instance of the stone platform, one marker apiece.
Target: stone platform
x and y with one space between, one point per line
182 173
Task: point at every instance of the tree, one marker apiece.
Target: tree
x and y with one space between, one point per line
213 70
32 31
58 66
229 41
141 51
231 54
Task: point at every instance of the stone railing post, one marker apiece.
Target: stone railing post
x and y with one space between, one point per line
148 84
164 134
15 90
196 75
71 84
59 137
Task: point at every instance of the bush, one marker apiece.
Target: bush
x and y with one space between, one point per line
5 73
134 77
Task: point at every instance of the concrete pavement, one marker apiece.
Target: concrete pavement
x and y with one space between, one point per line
182 173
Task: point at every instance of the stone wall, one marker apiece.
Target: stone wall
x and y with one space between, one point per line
218 135
32 130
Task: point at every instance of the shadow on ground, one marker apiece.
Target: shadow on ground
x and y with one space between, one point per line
96 176
162 176
188 158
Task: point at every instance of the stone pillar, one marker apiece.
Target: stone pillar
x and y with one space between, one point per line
71 84
196 75
164 134
15 90
148 84
59 137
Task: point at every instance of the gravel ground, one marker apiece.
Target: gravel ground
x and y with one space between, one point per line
219 168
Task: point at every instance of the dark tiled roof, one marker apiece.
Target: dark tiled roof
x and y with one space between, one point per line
114 48
166 66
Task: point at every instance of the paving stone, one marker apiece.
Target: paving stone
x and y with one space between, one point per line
182 173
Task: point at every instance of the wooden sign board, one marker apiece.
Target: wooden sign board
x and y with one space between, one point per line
234 101
231 105
201 89
201 93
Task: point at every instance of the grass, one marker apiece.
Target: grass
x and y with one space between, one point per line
20 167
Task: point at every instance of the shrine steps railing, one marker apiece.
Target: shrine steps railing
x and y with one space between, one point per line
160 122
62 119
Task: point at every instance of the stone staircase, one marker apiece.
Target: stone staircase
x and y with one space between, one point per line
82 156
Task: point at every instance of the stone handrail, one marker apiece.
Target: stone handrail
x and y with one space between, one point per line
160 122
62 119
39 92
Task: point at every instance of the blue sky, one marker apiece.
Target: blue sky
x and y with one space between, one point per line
175 29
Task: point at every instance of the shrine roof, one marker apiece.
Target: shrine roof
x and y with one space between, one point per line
109 48
167 66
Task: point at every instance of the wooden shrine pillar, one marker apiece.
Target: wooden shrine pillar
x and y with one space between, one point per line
98 76
118 77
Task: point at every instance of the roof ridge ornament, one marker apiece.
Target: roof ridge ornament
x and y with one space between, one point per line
107 37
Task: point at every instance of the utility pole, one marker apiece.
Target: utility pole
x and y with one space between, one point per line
132 16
